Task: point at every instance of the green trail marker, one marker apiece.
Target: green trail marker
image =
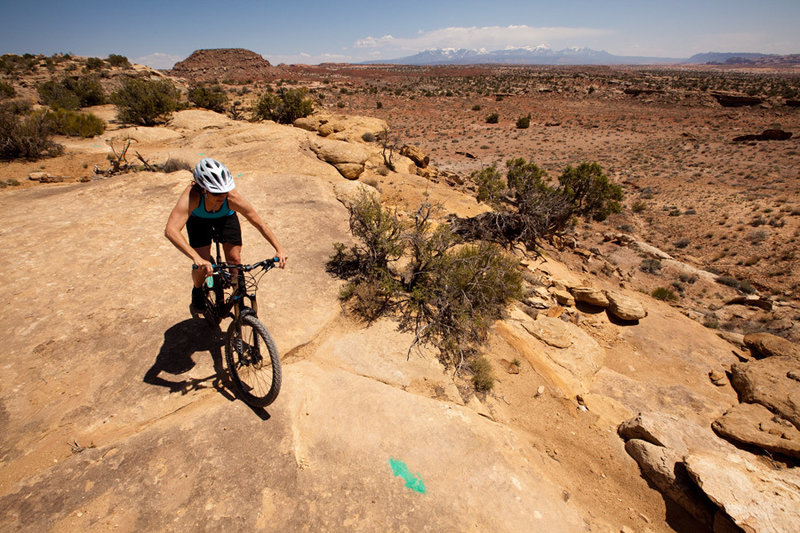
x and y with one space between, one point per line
413 482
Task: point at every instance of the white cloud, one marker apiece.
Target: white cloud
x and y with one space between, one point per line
489 37
157 60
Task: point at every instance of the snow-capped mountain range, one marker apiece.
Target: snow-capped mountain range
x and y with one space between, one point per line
543 55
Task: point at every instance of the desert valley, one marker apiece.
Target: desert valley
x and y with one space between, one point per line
647 380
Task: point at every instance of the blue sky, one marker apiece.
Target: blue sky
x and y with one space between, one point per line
160 33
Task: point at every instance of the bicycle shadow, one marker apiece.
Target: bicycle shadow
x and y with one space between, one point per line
175 357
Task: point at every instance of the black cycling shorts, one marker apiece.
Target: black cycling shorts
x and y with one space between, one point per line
225 229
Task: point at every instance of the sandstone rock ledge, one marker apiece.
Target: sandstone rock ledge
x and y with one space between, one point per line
718 484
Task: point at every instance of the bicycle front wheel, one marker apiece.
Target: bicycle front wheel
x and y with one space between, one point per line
253 361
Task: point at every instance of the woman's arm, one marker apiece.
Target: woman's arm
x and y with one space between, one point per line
239 204
175 223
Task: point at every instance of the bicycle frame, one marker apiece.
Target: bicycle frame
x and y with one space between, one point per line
236 300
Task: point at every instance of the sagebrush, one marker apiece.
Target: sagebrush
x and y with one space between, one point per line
447 292
145 102
285 106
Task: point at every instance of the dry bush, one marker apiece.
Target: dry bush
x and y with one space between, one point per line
145 102
448 296
26 138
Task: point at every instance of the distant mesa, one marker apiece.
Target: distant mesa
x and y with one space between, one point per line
222 64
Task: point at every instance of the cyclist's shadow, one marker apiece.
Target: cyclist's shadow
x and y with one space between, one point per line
181 342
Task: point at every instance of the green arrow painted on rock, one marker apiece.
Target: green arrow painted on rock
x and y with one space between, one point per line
413 482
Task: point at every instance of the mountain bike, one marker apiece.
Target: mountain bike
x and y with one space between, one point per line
250 352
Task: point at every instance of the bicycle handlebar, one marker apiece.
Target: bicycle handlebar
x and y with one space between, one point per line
266 264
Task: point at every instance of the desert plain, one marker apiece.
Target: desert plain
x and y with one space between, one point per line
115 405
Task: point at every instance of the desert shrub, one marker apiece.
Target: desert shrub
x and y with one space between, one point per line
524 122
26 138
730 281
18 106
448 294
457 294
368 137
284 107
212 98
94 63
665 294
482 376
118 61
493 118
682 243
757 236
6 91
638 206
627 228
591 192
366 264
173 165
72 93
491 186
57 96
74 124
476 107
650 265
528 209
379 105
87 88
145 102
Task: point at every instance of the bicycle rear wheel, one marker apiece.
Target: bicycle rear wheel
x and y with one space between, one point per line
253 361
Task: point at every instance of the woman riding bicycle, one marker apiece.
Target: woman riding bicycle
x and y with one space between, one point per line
207 205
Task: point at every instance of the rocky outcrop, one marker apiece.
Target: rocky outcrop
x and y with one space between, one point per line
591 296
624 307
236 64
772 382
766 135
755 425
663 468
420 158
769 345
350 128
755 497
735 100
348 158
713 481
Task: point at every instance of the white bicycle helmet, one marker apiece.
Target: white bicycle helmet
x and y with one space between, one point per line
213 176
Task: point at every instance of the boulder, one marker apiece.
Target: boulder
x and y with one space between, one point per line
420 158
352 128
769 382
768 345
348 158
590 296
755 496
563 297
663 468
624 307
755 425
670 432
551 331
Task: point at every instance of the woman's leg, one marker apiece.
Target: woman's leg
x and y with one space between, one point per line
233 255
